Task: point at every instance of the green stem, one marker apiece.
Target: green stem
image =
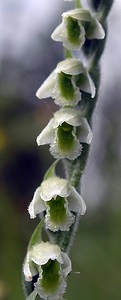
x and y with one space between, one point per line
67 53
74 170
78 4
102 6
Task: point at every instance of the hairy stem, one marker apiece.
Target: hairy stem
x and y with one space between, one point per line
74 170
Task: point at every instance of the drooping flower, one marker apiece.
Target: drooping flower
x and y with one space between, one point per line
77 26
51 266
58 199
65 133
66 82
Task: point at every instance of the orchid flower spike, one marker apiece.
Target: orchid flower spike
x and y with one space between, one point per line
51 267
58 199
66 132
77 26
66 82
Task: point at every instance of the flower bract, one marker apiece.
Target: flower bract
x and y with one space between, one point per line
77 26
66 82
59 200
66 132
51 267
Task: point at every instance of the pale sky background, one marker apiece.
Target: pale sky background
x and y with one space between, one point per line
20 19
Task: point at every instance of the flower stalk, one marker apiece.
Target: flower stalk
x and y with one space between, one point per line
73 85
78 4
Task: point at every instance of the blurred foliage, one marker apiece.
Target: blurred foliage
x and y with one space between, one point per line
96 254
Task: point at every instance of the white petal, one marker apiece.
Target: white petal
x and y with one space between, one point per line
79 14
69 115
26 269
41 253
76 202
98 32
46 88
36 206
70 66
47 134
54 186
87 84
85 132
29 269
92 88
67 267
58 33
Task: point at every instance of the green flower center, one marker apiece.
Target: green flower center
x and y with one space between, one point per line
50 276
65 137
73 30
65 86
57 210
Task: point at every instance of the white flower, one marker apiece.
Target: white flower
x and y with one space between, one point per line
58 199
77 25
51 265
66 82
64 132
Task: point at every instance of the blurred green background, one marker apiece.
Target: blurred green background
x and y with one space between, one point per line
27 56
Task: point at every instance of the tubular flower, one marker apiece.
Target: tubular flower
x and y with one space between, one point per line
66 82
51 266
64 132
58 199
77 26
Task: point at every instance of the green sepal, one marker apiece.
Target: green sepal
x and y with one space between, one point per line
32 296
36 236
51 171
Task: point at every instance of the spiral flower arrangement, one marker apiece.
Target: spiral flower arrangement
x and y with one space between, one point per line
73 85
